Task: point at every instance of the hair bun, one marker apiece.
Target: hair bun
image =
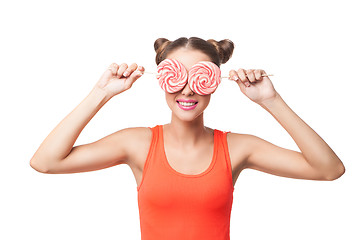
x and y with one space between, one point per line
225 48
159 46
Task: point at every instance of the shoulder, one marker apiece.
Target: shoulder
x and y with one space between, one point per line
137 133
242 140
240 147
134 136
134 140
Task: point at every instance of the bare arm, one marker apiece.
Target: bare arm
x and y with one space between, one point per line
58 145
316 161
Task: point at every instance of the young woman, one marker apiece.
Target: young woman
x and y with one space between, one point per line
185 171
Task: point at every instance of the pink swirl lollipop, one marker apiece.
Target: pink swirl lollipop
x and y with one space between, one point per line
204 77
172 75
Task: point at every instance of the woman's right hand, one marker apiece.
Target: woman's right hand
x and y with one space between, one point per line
119 78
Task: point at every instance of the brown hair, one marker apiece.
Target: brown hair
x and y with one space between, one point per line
218 51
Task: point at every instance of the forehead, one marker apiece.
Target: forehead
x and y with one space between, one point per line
188 57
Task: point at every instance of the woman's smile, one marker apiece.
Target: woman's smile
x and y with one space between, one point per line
187 105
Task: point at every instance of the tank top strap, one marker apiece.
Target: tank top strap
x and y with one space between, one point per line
224 149
151 152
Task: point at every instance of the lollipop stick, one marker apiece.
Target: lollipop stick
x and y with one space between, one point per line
263 75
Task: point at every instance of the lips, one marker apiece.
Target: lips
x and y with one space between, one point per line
186 107
186 100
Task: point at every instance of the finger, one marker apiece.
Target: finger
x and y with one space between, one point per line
250 75
121 70
262 73
233 75
141 69
113 68
133 77
258 76
130 70
243 78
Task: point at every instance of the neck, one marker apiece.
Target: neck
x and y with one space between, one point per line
186 133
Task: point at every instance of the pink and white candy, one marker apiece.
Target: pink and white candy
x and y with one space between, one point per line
172 75
204 77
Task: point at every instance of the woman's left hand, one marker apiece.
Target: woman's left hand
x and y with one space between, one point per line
257 88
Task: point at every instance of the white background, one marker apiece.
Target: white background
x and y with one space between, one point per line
52 54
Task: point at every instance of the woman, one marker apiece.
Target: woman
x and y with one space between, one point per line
186 172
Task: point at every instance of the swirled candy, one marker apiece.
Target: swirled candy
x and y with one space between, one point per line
172 75
204 77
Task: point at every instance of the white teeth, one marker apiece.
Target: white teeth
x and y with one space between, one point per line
187 103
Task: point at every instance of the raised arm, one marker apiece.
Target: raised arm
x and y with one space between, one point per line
316 161
57 154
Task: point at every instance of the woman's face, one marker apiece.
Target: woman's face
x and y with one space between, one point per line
188 58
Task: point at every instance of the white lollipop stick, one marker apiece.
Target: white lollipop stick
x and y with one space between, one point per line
263 75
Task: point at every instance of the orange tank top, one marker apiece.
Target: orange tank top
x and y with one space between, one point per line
173 205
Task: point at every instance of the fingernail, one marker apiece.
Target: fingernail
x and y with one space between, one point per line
125 74
235 78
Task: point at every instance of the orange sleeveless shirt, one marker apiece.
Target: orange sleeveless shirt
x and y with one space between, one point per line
173 205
